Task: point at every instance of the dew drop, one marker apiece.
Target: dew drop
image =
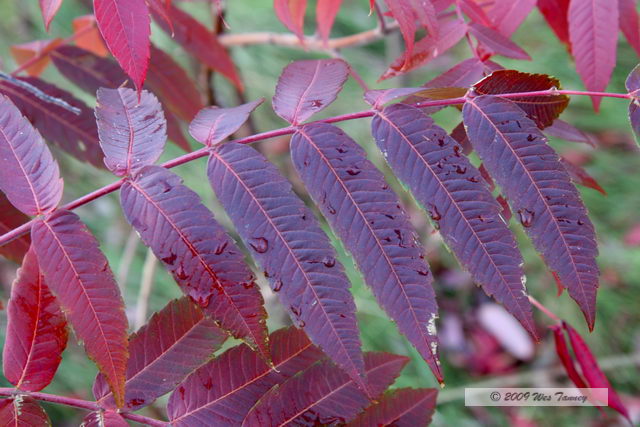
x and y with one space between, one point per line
526 217
259 244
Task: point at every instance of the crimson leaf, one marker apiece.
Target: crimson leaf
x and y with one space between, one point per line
563 130
161 356
324 394
79 275
11 218
196 250
443 180
540 191
22 411
125 27
108 418
326 12
29 175
132 129
497 43
580 176
223 391
87 70
49 9
356 200
286 240
36 330
403 407
306 87
291 14
630 23
633 86
555 13
565 357
213 124
507 15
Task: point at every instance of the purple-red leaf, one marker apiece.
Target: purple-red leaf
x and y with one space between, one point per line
497 43
507 15
11 218
403 407
366 214
580 176
324 394
591 370
540 192
630 23
108 418
36 330
49 8
593 33
223 391
555 13
199 41
543 109
29 175
565 357
132 129
285 238
175 341
196 250
291 14
125 26
633 86
75 134
563 130
306 87
87 70
22 411
79 275
212 124
443 180
326 11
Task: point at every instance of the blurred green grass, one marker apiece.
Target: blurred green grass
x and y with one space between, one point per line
614 166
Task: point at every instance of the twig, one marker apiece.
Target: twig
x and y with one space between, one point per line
544 309
146 284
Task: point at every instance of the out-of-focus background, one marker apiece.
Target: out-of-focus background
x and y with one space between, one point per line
480 344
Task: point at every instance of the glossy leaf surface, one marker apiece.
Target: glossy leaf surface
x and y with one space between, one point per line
212 124
403 407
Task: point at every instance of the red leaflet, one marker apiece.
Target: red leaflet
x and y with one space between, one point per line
541 109
475 12
284 237
356 200
75 134
565 357
630 23
403 407
324 394
580 176
196 250
214 124
200 42
291 14
106 418
132 129
49 9
591 370
22 411
326 11
223 391
10 218
555 12
161 357
406 12
507 15
633 86
306 87
516 154
378 97
24 52
36 330
431 164
593 33
79 275
90 39
497 43
125 27
29 175
563 130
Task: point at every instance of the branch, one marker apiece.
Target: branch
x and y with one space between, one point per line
79 403
202 152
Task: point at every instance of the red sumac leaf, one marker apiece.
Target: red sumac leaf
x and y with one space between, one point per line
507 15
36 330
497 43
200 42
403 407
197 251
475 12
79 275
565 357
563 130
633 86
75 134
593 26
212 124
517 156
324 394
542 109
22 411
366 214
11 218
580 176
29 175
125 26
132 129
555 13
378 97
26 52
443 180
291 14
175 341
630 23
285 238
306 87
223 391
102 418
49 8
591 370
326 11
